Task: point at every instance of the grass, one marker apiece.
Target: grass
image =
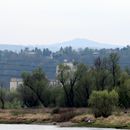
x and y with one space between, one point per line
122 121
75 116
117 126
24 116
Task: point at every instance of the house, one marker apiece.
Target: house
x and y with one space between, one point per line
53 82
15 83
66 63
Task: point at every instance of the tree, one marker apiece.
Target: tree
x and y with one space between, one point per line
124 90
68 77
100 74
2 97
34 89
12 99
56 96
83 88
103 102
28 97
114 67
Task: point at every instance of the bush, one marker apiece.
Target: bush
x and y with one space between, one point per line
55 110
124 94
103 102
15 104
63 117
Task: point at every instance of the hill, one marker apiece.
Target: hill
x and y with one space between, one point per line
75 44
81 43
13 63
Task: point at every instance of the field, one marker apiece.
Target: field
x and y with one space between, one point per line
64 117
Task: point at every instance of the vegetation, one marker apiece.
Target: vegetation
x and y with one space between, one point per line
12 64
74 116
68 77
103 87
34 90
103 102
76 85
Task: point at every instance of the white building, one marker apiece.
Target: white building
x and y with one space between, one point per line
69 64
53 82
15 83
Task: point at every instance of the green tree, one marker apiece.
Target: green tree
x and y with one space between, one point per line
2 97
124 90
101 74
83 88
56 96
103 102
114 68
34 90
68 77
12 100
28 97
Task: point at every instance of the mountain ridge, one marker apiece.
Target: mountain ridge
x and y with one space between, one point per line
74 43
82 43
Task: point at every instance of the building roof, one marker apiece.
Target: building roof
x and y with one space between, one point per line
16 80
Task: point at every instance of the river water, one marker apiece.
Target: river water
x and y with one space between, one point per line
43 127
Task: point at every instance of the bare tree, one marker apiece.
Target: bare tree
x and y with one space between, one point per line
68 77
2 96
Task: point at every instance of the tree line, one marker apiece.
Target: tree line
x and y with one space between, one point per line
105 82
13 63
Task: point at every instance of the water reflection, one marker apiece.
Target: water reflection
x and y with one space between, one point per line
43 127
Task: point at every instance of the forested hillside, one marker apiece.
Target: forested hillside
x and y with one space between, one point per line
12 64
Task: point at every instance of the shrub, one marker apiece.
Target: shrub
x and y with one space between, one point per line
15 104
55 110
63 117
103 102
124 94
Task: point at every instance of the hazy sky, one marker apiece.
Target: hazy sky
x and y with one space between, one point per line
50 21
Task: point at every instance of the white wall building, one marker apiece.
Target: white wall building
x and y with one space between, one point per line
69 64
15 83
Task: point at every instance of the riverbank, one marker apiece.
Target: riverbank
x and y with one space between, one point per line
64 118
119 122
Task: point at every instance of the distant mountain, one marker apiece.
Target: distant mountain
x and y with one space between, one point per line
75 44
16 48
81 43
